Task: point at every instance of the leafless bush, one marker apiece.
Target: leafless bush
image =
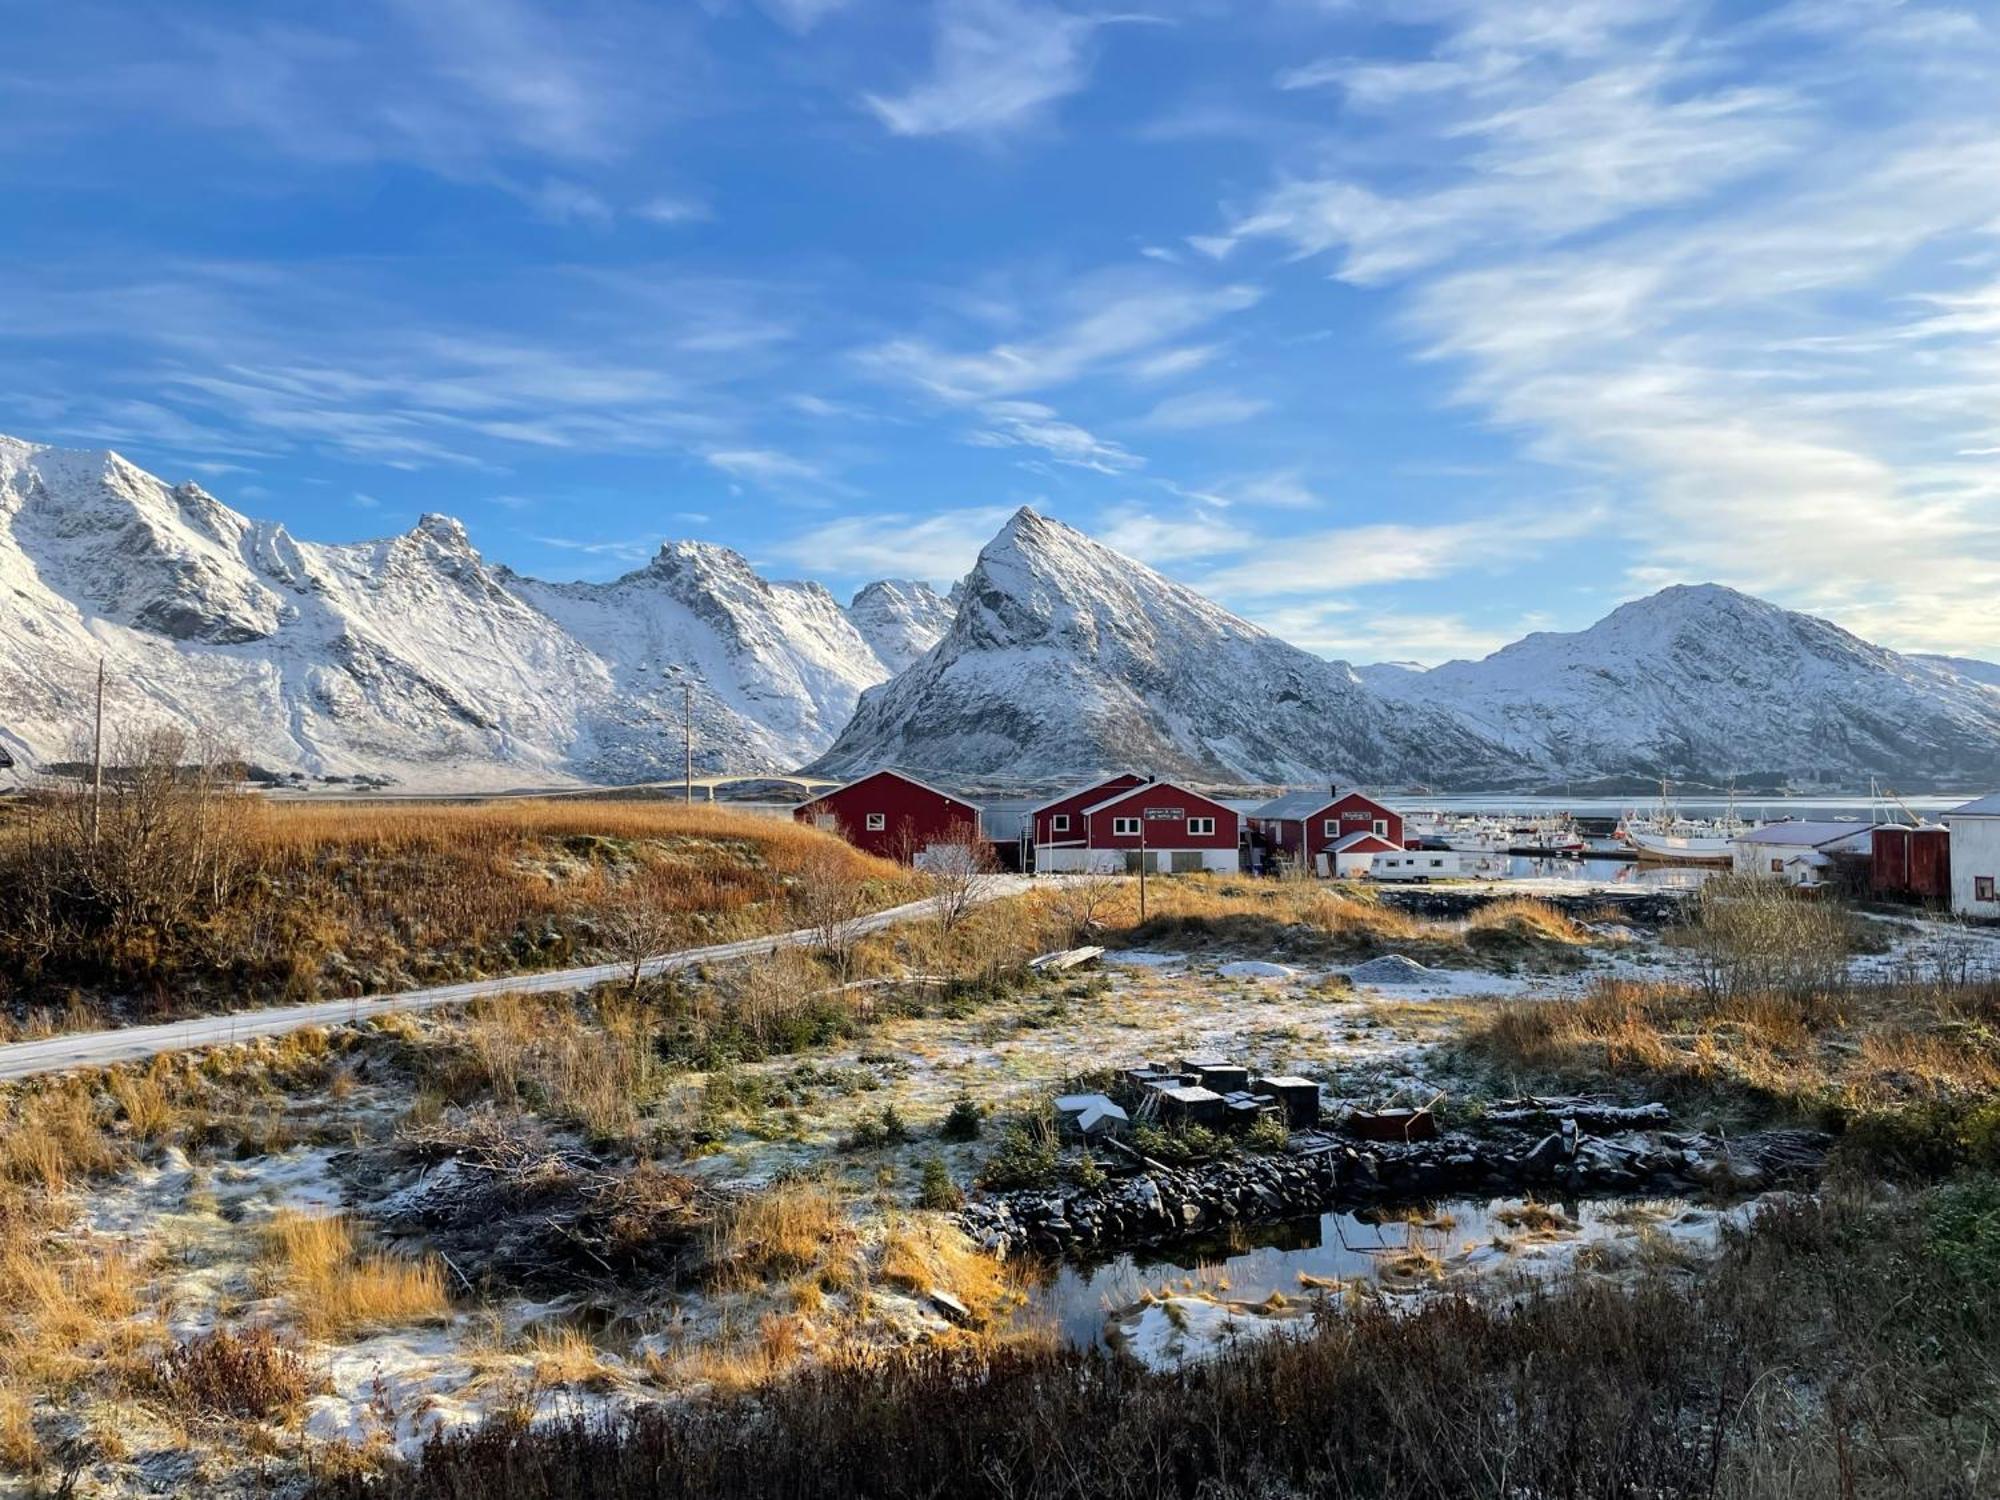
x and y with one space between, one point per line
1750 934
1079 904
831 903
123 873
954 871
249 1374
642 923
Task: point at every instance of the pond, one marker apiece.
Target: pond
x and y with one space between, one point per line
1405 1251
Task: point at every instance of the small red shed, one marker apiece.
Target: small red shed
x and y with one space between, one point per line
892 815
1910 864
1305 827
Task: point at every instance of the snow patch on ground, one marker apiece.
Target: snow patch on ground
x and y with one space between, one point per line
1255 969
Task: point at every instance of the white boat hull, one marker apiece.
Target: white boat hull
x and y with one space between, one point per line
1675 848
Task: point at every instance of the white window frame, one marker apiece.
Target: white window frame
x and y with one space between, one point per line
1058 822
1200 827
1124 828
1987 881
1330 828
1380 828
878 822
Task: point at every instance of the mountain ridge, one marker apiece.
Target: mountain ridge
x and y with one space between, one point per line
413 657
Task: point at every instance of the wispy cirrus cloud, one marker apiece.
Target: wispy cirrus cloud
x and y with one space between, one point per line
1731 269
1098 320
939 547
996 66
1029 424
1192 411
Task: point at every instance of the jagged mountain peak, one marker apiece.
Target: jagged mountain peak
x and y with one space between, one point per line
901 618
1066 655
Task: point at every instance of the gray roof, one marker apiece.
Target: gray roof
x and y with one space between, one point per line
1803 834
1981 807
1295 804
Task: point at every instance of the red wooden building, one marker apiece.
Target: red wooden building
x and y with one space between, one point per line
1115 827
1059 824
1306 827
1911 864
891 814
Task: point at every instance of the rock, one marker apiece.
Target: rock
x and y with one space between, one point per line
954 1310
1392 969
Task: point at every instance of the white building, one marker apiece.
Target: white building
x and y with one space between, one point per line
1975 857
1799 853
1417 864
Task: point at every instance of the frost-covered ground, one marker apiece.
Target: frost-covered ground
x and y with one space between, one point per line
195 1226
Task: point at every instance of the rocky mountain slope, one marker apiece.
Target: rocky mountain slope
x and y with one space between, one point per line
1065 658
901 619
1702 681
408 657
413 658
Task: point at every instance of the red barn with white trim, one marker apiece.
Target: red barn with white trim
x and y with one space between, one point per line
1311 828
1173 829
1059 824
892 815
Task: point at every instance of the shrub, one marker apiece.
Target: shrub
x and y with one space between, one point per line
248 1374
1270 1133
1962 1228
936 1189
1026 1156
1181 1144
964 1120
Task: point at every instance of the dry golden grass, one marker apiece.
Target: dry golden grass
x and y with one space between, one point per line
565 1356
920 1255
794 1227
338 1289
51 1135
20 1449
1342 917
325 898
1863 1049
1521 916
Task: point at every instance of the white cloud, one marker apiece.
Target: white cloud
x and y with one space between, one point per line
1398 552
1028 424
1158 539
764 466
1194 410
802 16
1762 313
940 547
1283 489
997 65
1103 319
672 210
1171 362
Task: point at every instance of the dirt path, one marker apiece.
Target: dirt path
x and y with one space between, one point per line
92 1049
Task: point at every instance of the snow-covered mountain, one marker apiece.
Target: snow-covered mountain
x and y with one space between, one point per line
1971 668
1066 658
1703 681
901 619
408 657
413 658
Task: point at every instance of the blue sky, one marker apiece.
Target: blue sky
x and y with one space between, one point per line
1399 328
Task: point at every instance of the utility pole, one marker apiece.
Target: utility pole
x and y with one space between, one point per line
1142 866
97 761
687 701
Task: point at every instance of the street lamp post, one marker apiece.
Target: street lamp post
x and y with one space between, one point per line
686 679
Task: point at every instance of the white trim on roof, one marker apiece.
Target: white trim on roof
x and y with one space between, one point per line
1079 790
1151 786
900 776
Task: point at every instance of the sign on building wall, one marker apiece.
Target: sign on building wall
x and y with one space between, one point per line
1166 813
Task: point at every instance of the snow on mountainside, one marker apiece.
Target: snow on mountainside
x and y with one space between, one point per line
409 657
1704 681
1971 668
901 619
1066 658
